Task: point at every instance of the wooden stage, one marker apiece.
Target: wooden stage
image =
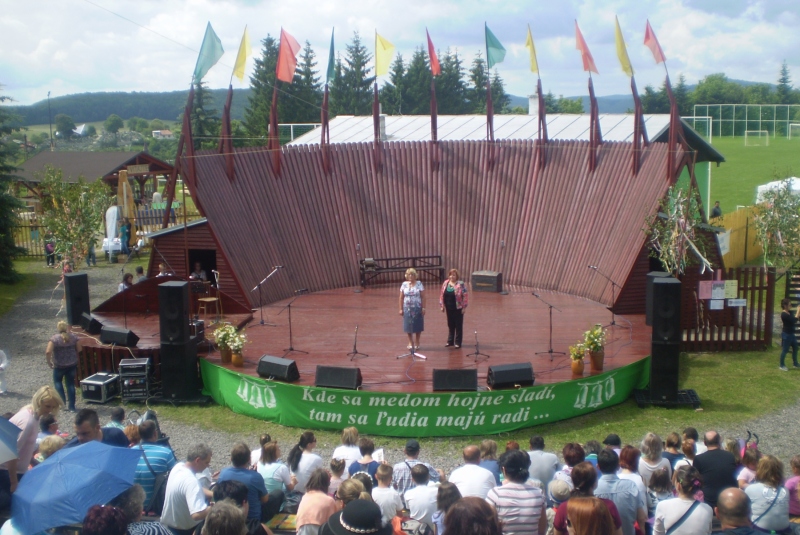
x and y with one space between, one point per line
511 329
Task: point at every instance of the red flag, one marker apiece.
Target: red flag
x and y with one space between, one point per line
436 69
651 42
586 56
287 57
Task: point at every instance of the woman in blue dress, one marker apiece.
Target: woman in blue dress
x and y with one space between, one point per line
412 307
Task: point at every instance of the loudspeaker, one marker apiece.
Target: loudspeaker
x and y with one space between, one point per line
278 368
173 312
90 324
648 296
118 336
664 371
76 286
333 377
510 375
179 373
455 380
666 310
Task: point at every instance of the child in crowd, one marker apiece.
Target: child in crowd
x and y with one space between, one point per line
792 484
337 471
385 496
559 493
659 490
749 462
117 417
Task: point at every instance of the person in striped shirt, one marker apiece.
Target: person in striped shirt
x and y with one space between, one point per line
161 459
520 506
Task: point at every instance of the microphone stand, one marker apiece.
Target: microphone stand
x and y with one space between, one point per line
355 353
503 290
291 348
614 286
260 304
478 350
358 289
124 308
550 350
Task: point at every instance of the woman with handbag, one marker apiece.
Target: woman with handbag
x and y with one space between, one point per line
684 511
769 499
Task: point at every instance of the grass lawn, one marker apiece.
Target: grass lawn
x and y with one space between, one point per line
10 292
734 182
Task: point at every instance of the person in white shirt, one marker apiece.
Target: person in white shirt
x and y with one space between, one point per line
421 499
471 479
385 496
184 503
349 450
302 461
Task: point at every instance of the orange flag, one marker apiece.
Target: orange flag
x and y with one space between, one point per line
586 56
287 57
651 42
436 69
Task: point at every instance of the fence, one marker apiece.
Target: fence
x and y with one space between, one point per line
744 245
734 328
736 119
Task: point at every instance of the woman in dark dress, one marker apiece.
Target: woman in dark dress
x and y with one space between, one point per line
453 299
788 338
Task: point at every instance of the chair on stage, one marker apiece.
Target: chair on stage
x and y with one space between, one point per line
204 289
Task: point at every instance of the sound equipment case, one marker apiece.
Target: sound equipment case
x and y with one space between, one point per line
100 387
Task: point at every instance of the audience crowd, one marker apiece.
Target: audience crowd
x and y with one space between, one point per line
679 485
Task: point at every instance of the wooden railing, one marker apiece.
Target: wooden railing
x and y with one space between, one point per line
372 268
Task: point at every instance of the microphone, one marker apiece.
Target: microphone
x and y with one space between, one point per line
535 294
592 267
214 271
277 267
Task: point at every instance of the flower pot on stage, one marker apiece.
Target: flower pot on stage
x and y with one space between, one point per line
597 358
225 354
237 360
577 368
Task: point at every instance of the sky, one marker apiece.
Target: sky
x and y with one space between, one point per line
77 46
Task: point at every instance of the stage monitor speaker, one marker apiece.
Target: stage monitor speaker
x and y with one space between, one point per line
664 371
666 310
333 377
118 336
76 286
510 375
465 380
90 324
179 372
173 312
648 296
278 368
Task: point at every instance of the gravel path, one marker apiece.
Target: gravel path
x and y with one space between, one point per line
24 332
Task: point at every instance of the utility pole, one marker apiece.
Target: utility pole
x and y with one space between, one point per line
50 120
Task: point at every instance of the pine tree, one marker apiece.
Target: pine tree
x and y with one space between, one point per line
682 97
477 92
500 99
784 89
262 82
8 203
300 102
352 93
391 94
205 121
451 89
418 84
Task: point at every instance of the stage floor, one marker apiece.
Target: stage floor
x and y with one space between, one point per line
511 329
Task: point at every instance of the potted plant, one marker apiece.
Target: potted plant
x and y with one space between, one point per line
576 353
236 343
594 340
223 336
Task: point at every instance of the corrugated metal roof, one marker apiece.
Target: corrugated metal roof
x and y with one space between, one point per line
554 221
91 165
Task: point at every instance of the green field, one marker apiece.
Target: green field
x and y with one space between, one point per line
734 181
45 128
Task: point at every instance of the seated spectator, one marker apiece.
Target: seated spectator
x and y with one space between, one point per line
102 520
691 432
155 460
589 516
613 442
672 449
769 500
629 464
694 517
127 282
543 464
512 445
263 505
519 506
87 428
792 486
359 516
275 474
302 460
225 518
48 426
185 502
337 470
733 511
584 477
472 515
421 498
592 448
558 493
236 492
117 418
255 455
131 503
385 496
365 480
659 489
446 496
747 474
717 467
401 472
651 459
352 489
365 464
50 445
624 493
349 450
489 458
471 479
316 507
140 276
573 454
131 431
732 446
688 449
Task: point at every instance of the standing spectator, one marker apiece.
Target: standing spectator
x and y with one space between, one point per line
716 211
412 307
124 236
349 449
50 252
543 464
589 516
185 503
453 299
651 459
733 511
155 460
421 499
584 476
446 496
157 199
472 515
488 449
471 479
788 337
749 466
520 506
792 486
3 367
302 461
316 507
768 499
684 511
691 432
672 452
87 429
717 467
366 463
262 505
573 455
385 496
622 492
401 475
62 358
117 418
629 463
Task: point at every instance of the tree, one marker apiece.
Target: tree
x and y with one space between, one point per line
391 94
478 78
569 105
64 125
417 84
784 88
8 203
451 89
303 97
113 124
351 92
91 131
500 99
777 222
157 124
262 82
655 101
717 89
205 122
73 212
683 98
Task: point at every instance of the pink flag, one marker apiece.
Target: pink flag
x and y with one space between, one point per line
651 42
586 56
287 57
436 69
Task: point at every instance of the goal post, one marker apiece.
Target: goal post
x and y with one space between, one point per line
756 138
792 126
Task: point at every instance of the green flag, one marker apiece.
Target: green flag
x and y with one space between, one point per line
495 53
210 53
331 63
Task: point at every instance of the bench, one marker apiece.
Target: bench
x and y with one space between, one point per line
372 268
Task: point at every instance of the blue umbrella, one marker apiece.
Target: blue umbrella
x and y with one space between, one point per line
8 440
62 489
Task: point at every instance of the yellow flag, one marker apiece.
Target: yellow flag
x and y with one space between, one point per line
384 50
532 49
241 57
622 52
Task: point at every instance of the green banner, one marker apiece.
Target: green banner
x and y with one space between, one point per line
420 414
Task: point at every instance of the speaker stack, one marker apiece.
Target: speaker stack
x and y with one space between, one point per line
664 310
278 368
333 377
76 287
180 376
510 375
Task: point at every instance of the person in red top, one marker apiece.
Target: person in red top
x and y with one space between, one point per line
453 299
584 479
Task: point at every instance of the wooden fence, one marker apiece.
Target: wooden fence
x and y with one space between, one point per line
106 359
744 244
745 328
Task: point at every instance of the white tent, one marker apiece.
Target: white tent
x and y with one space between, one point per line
775 185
